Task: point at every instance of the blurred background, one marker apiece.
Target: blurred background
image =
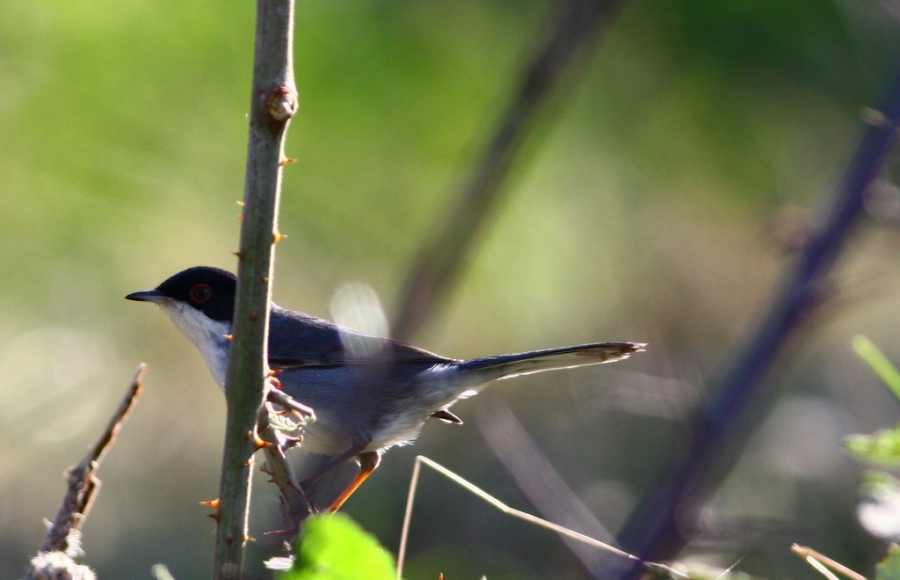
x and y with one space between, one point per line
659 200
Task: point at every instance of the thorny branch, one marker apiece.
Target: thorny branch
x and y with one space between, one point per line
83 485
273 102
294 502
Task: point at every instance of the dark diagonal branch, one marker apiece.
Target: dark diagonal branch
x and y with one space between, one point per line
440 261
658 526
273 102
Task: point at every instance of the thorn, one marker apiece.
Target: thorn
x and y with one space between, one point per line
249 539
259 443
275 383
277 237
239 255
229 539
273 372
240 203
213 503
253 317
214 516
265 279
228 336
240 218
287 161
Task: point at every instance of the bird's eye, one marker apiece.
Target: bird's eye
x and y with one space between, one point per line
200 293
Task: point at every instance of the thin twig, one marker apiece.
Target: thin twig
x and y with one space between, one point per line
821 568
656 528
293 500
82 483
811 555
273 102
477 491
440 261
407 516
283 399
540 482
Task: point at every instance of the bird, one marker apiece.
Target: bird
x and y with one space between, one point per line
369 393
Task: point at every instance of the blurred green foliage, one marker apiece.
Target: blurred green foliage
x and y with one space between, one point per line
334 547
655 204
879 364
889 568
881 449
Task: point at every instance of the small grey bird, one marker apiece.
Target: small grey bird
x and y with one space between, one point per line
369 393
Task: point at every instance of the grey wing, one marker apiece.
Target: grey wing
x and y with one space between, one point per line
308 341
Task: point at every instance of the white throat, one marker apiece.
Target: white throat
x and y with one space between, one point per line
208 336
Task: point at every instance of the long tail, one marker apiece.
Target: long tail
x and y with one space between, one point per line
512 365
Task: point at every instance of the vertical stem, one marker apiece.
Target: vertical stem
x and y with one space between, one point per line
273 103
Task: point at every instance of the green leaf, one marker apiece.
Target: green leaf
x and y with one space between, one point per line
882 448
889 568
334 547
879 363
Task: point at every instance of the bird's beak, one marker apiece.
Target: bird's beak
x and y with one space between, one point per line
146 296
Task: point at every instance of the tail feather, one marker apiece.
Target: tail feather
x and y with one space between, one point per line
512 365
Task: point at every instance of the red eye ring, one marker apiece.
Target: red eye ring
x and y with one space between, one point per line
200 293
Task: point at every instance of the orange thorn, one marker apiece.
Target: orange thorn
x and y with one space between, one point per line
240 218
277 237
287 161
228 336
273 372
240 203
265 279
213 503
249 539
259 443
239 255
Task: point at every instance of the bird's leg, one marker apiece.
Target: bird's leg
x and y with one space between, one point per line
346 456
368 461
